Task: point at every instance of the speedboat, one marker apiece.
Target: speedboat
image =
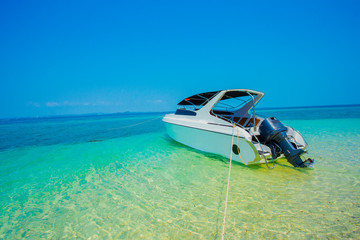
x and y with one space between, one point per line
225 123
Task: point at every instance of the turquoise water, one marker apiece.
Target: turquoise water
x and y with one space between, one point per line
88 178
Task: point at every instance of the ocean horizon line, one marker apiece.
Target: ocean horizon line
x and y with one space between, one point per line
315 106
161 112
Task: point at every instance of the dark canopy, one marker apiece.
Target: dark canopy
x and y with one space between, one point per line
198 99
201 98
235 94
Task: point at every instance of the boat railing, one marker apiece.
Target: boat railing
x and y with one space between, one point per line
229 118
253 135
238 121
248 129
253 108
295 130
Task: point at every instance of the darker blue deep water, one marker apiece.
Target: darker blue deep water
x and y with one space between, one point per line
76 129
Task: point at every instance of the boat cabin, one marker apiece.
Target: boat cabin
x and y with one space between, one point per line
234 106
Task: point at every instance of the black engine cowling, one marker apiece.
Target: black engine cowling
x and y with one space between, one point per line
273 132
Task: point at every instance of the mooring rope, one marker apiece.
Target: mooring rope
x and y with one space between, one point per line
132 125
136 124
237 144
228 184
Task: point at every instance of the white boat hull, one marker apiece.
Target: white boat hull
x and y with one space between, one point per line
214 142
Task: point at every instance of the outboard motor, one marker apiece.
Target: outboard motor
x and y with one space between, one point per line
273 133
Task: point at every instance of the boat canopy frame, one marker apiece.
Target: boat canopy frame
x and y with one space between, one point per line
236 106
246 100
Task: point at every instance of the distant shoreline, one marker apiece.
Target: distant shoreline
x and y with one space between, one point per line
127 113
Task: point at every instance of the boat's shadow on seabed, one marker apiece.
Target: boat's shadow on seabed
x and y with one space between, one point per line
280 163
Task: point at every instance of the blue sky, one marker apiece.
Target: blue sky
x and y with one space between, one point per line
74 57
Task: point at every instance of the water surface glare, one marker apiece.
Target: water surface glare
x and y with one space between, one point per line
136 183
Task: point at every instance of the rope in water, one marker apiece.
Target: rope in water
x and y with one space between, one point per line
228 184
136 124
237 144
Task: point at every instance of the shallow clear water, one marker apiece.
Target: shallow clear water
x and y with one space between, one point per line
56 181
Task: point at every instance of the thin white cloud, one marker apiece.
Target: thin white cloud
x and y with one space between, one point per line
52 104
70 103
34 104
155 101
